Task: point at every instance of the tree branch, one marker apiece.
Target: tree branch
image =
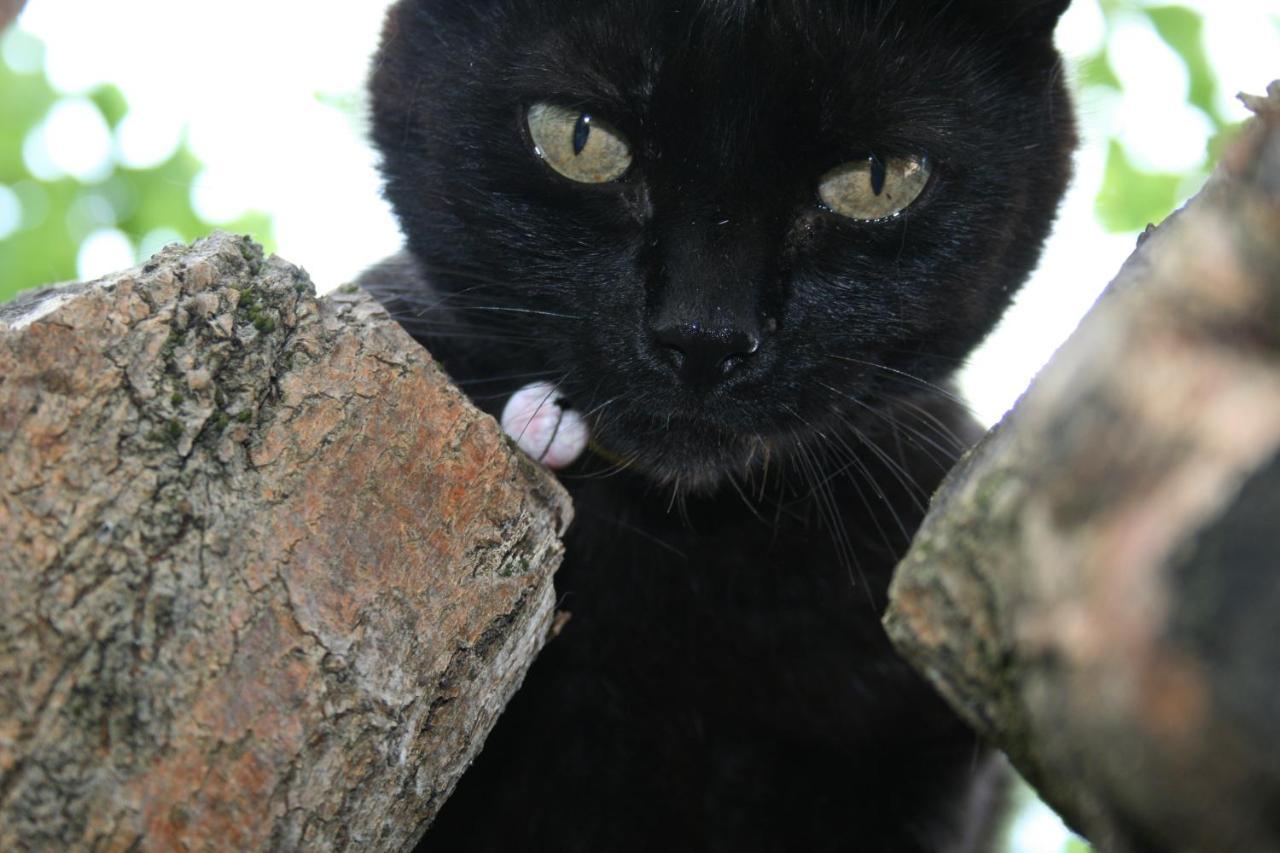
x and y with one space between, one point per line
1096 587
268 578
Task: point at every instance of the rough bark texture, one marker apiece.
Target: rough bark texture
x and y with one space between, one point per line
267 578
1097 586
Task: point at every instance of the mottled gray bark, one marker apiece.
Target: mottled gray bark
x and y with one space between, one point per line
268 579
9 10
1097 585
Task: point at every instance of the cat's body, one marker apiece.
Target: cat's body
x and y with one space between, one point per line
723 682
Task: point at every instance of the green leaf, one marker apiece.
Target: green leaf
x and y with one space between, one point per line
256 225
42 251
1096 71
1183 30
25 99
1131 198
111 103
163 197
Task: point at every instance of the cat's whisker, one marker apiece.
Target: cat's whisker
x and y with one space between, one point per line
917 494
865 471
510 377
434 324
675 493
588 510
416 294
948 456
943 457
427 301
470 336
856 464
932 421
612 470
902 374
827 508
601 407
508 309
450 315
746 501
958 361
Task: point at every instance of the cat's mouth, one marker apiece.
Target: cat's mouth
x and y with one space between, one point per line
688 446
687 450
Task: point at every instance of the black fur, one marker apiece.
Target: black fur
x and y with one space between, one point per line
724 682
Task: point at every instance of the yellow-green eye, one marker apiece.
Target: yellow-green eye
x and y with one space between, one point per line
578 145
873 189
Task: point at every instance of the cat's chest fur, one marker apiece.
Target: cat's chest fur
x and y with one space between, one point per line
743 606
723 682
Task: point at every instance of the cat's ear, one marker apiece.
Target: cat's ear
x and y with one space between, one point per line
1020 20
1034 17
441 14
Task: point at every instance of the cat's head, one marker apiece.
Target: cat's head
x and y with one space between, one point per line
724 226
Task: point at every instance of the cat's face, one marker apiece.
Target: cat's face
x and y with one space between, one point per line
722 226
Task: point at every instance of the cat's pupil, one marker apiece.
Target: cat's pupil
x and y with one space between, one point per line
879 174
581 132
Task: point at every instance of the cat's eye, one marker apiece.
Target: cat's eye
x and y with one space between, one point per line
578 145
873 188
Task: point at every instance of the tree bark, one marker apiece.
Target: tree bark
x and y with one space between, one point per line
1097 585
268 579
9 10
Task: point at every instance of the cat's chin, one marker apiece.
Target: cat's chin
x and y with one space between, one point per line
685 472
690 457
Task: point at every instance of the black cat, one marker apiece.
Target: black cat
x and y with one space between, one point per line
747 242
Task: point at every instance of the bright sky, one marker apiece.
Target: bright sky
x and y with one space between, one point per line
241 77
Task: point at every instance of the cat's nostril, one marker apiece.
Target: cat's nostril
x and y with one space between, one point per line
705 356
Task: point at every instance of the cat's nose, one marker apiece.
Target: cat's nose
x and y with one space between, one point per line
705 356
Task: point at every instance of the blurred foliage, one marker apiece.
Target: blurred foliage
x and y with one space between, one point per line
1132 198
55 216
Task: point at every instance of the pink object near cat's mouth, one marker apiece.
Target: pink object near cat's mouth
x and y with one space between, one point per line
537 421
